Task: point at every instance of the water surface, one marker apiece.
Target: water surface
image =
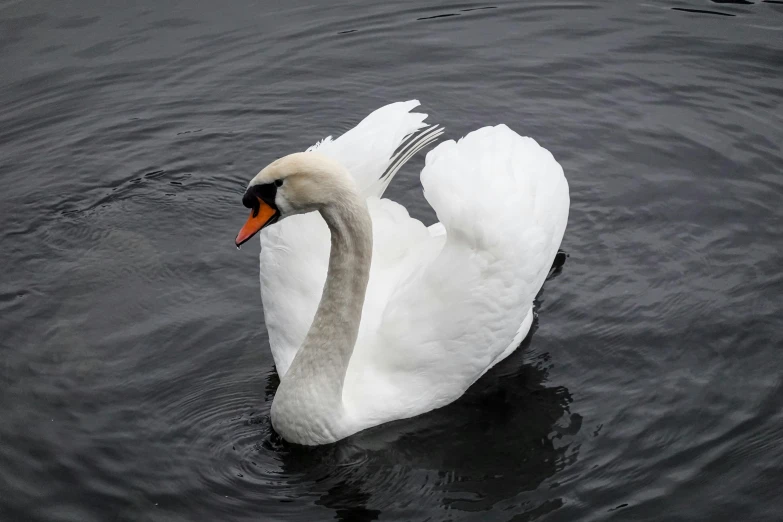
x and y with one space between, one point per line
136 378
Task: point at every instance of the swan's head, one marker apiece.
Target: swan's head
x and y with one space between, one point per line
294 184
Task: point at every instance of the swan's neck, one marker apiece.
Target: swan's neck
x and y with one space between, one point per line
332 336
310 396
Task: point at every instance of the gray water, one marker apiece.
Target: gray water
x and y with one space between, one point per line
135 373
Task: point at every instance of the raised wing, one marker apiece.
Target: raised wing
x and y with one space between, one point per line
503 203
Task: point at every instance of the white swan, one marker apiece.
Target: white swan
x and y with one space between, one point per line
405 318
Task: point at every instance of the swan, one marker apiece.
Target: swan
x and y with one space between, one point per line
373 316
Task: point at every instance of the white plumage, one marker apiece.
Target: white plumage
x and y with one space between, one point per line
444 303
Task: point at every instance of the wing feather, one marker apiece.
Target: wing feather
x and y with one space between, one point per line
467 296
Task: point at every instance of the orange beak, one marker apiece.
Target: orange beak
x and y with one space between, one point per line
259 218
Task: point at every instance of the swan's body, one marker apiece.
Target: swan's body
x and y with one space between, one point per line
409 316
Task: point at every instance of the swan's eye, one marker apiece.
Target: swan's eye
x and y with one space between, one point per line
278 182
265 192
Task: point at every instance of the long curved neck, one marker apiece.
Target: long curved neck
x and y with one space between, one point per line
318 370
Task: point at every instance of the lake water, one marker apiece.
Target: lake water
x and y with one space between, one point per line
135 373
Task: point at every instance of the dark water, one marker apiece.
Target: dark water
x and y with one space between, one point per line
136 378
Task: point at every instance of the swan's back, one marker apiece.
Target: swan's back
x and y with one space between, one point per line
459 302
